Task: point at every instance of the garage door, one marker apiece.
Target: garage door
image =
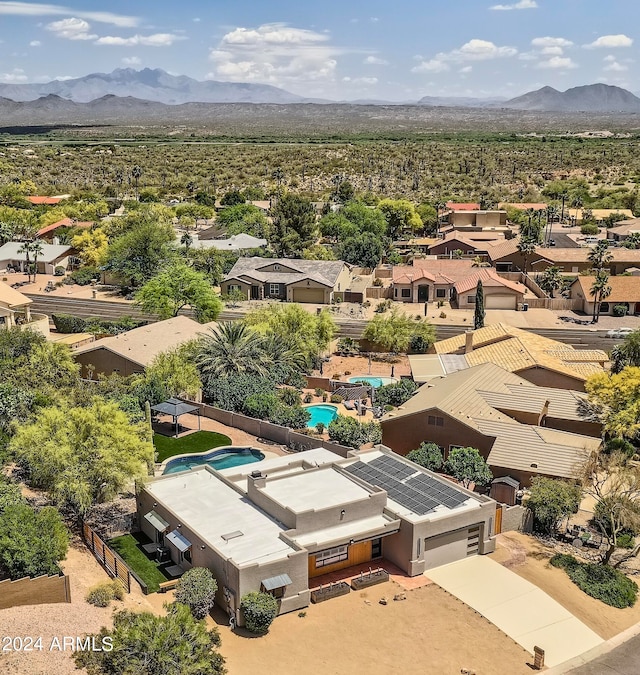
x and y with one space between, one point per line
500 301
315 295
452 546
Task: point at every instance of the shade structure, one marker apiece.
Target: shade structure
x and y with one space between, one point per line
276 582
180 542
157 521
175 407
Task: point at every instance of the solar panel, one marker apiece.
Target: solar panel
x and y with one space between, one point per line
445 494
393 467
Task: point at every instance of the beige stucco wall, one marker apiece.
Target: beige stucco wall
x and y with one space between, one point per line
107 362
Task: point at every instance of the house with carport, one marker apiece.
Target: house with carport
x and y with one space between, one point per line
279 525
292 280
521 429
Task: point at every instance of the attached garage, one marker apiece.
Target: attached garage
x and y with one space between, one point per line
451 546
314 295
500 301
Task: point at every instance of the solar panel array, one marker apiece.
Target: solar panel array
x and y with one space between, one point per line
421 494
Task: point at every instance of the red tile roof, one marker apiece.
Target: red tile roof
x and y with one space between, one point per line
463 207
65 222
47 201
490 279
407 275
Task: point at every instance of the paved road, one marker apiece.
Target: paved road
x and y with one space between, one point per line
623 660
581 338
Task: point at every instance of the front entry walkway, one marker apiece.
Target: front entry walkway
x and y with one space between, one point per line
349 573
517 607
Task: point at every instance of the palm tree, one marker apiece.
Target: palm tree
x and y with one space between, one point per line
563 196
600 255
136 174
526 248
439 207
284 356
231 348
550 280
600 291
26 249
186 240
36 249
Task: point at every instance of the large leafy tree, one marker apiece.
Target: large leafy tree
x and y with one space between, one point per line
614 400
31 542
83 456
173 373
395 330
551 501
364 250
92 246
244 218
294 225
428 455
400 215
146 644
550 280
364 218
176 287
197 589
468 466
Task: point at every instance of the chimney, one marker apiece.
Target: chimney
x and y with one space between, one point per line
468 342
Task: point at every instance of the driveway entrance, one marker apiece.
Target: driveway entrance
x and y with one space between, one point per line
517 607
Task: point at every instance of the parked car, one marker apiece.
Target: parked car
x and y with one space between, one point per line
619 333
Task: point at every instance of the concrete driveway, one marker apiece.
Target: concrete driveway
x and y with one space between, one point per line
517 607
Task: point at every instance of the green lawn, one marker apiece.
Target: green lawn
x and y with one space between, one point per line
200 441
128 548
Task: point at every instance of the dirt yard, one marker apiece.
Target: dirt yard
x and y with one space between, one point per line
429 632
528 557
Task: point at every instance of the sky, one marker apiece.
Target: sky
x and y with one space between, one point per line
374 49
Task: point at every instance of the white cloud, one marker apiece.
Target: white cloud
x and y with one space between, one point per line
155 40
42 9
474 50
16 76
614 66
375 61
558 63
35 43
72 29
522 4
131 61
361 80
550 42
274 53
374 19
610 41
466 69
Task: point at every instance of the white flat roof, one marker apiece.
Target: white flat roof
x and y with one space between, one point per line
355 528
210 508
318 489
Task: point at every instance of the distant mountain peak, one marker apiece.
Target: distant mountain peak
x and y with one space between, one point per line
597 97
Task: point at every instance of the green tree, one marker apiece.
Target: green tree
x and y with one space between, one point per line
600 255
600 291
337 227
364 218
31 542
551 501
396 394
395 330
175 371
468 466
10 493
83 456
244 218
232 198
197 590
429 217
16 403
526 248
478 311
428 455
550 280
176 287
400 215
259 611
350 432
627 353
146 644
614 401
294 225
364 250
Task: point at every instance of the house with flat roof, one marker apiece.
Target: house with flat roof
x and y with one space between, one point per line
51 256
625 291
468 243
623 229
474 220
288 279
536 358
237 242
521 429
278 524
131 352
599 215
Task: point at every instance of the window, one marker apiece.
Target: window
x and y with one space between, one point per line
187 555
435 421
441 293
604 307
234 287
274 289
455 447
276 592
406 292
395 292
276 268
332 556
471 299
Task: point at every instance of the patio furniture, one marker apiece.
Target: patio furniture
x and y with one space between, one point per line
349 405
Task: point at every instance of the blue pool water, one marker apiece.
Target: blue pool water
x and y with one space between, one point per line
321 413
221 458
373 381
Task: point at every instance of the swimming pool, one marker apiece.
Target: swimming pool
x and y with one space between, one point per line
321 413
220 458
372 380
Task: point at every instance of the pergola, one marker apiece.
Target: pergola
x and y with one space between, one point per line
176 408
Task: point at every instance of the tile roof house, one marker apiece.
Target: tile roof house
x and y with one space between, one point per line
133 351
455 206
65 222
521 429
477 221
624 291
13 304
287 279
538 359
623 229
470 243
44 201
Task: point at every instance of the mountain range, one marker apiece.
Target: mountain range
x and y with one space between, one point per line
154 93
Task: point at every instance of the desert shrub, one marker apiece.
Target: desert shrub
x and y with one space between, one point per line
289 396
589 229
336 398
59 271
102 594
599 581
308 398
261 406
259 610
320 427
84 275
318 391
197 589
625 541
65 323
619 310
294 417
418 344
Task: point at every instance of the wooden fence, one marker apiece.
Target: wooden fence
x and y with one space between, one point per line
114 565
36 591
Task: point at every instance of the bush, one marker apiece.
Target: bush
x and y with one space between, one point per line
289 396
589 228
626 541
619 310
318 391
418 345
308 398
59 271
294 417
396 394
102 594
84 276
351 433
197 589
65 323
320 427
336 398
428 455
259 610
599 581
